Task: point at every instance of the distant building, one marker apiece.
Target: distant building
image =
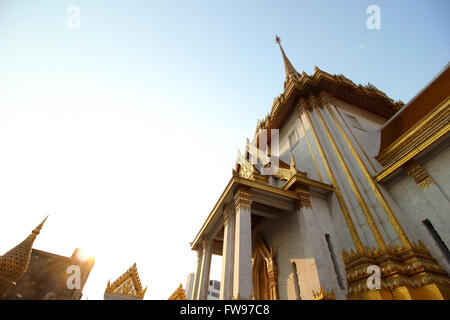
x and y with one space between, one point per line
127 287
190 285
213 290
178 294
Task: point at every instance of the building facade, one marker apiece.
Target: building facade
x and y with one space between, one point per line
213 290
127 287
343 193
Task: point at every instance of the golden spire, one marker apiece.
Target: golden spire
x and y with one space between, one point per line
288 67
14 263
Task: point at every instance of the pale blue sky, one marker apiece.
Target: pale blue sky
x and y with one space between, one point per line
125 131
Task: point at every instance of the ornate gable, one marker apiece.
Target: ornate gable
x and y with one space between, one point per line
128 284
178 294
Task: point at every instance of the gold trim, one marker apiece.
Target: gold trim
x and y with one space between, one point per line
432 137
307 182
323 295
310 149
340 198
412 269
242 198
268 271
351 180
178 294
394 150
395 223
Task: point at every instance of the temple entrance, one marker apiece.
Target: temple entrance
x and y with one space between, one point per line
264 272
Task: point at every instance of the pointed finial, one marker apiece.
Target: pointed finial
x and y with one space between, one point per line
37 230
278 40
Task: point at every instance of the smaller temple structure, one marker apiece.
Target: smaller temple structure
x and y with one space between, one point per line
14 263
127 287
178 294
30 274
53 277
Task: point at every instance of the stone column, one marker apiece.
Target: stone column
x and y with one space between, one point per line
194 295
242 278
226 285
206 266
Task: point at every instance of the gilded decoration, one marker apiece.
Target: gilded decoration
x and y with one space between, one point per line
178 294
128 284
419 175
264 272
14 263
323 295
242 198
247 170
412 269
304 195
425 133
365 97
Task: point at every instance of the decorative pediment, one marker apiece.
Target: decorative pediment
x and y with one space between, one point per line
128 284
178 294
245 166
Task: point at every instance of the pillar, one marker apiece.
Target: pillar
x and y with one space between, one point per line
226 285
194 294
242 279
205 269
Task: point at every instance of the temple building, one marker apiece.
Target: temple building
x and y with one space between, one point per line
127 287
30 274
178 294
343 193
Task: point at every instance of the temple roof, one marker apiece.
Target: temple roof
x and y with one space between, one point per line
128 284
14 263
416 110
301 86
178 294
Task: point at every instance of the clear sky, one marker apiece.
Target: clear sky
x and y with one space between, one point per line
125 131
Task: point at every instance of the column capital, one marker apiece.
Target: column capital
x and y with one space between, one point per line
302 105
305 196
242 198
225 214
315 102
325 98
